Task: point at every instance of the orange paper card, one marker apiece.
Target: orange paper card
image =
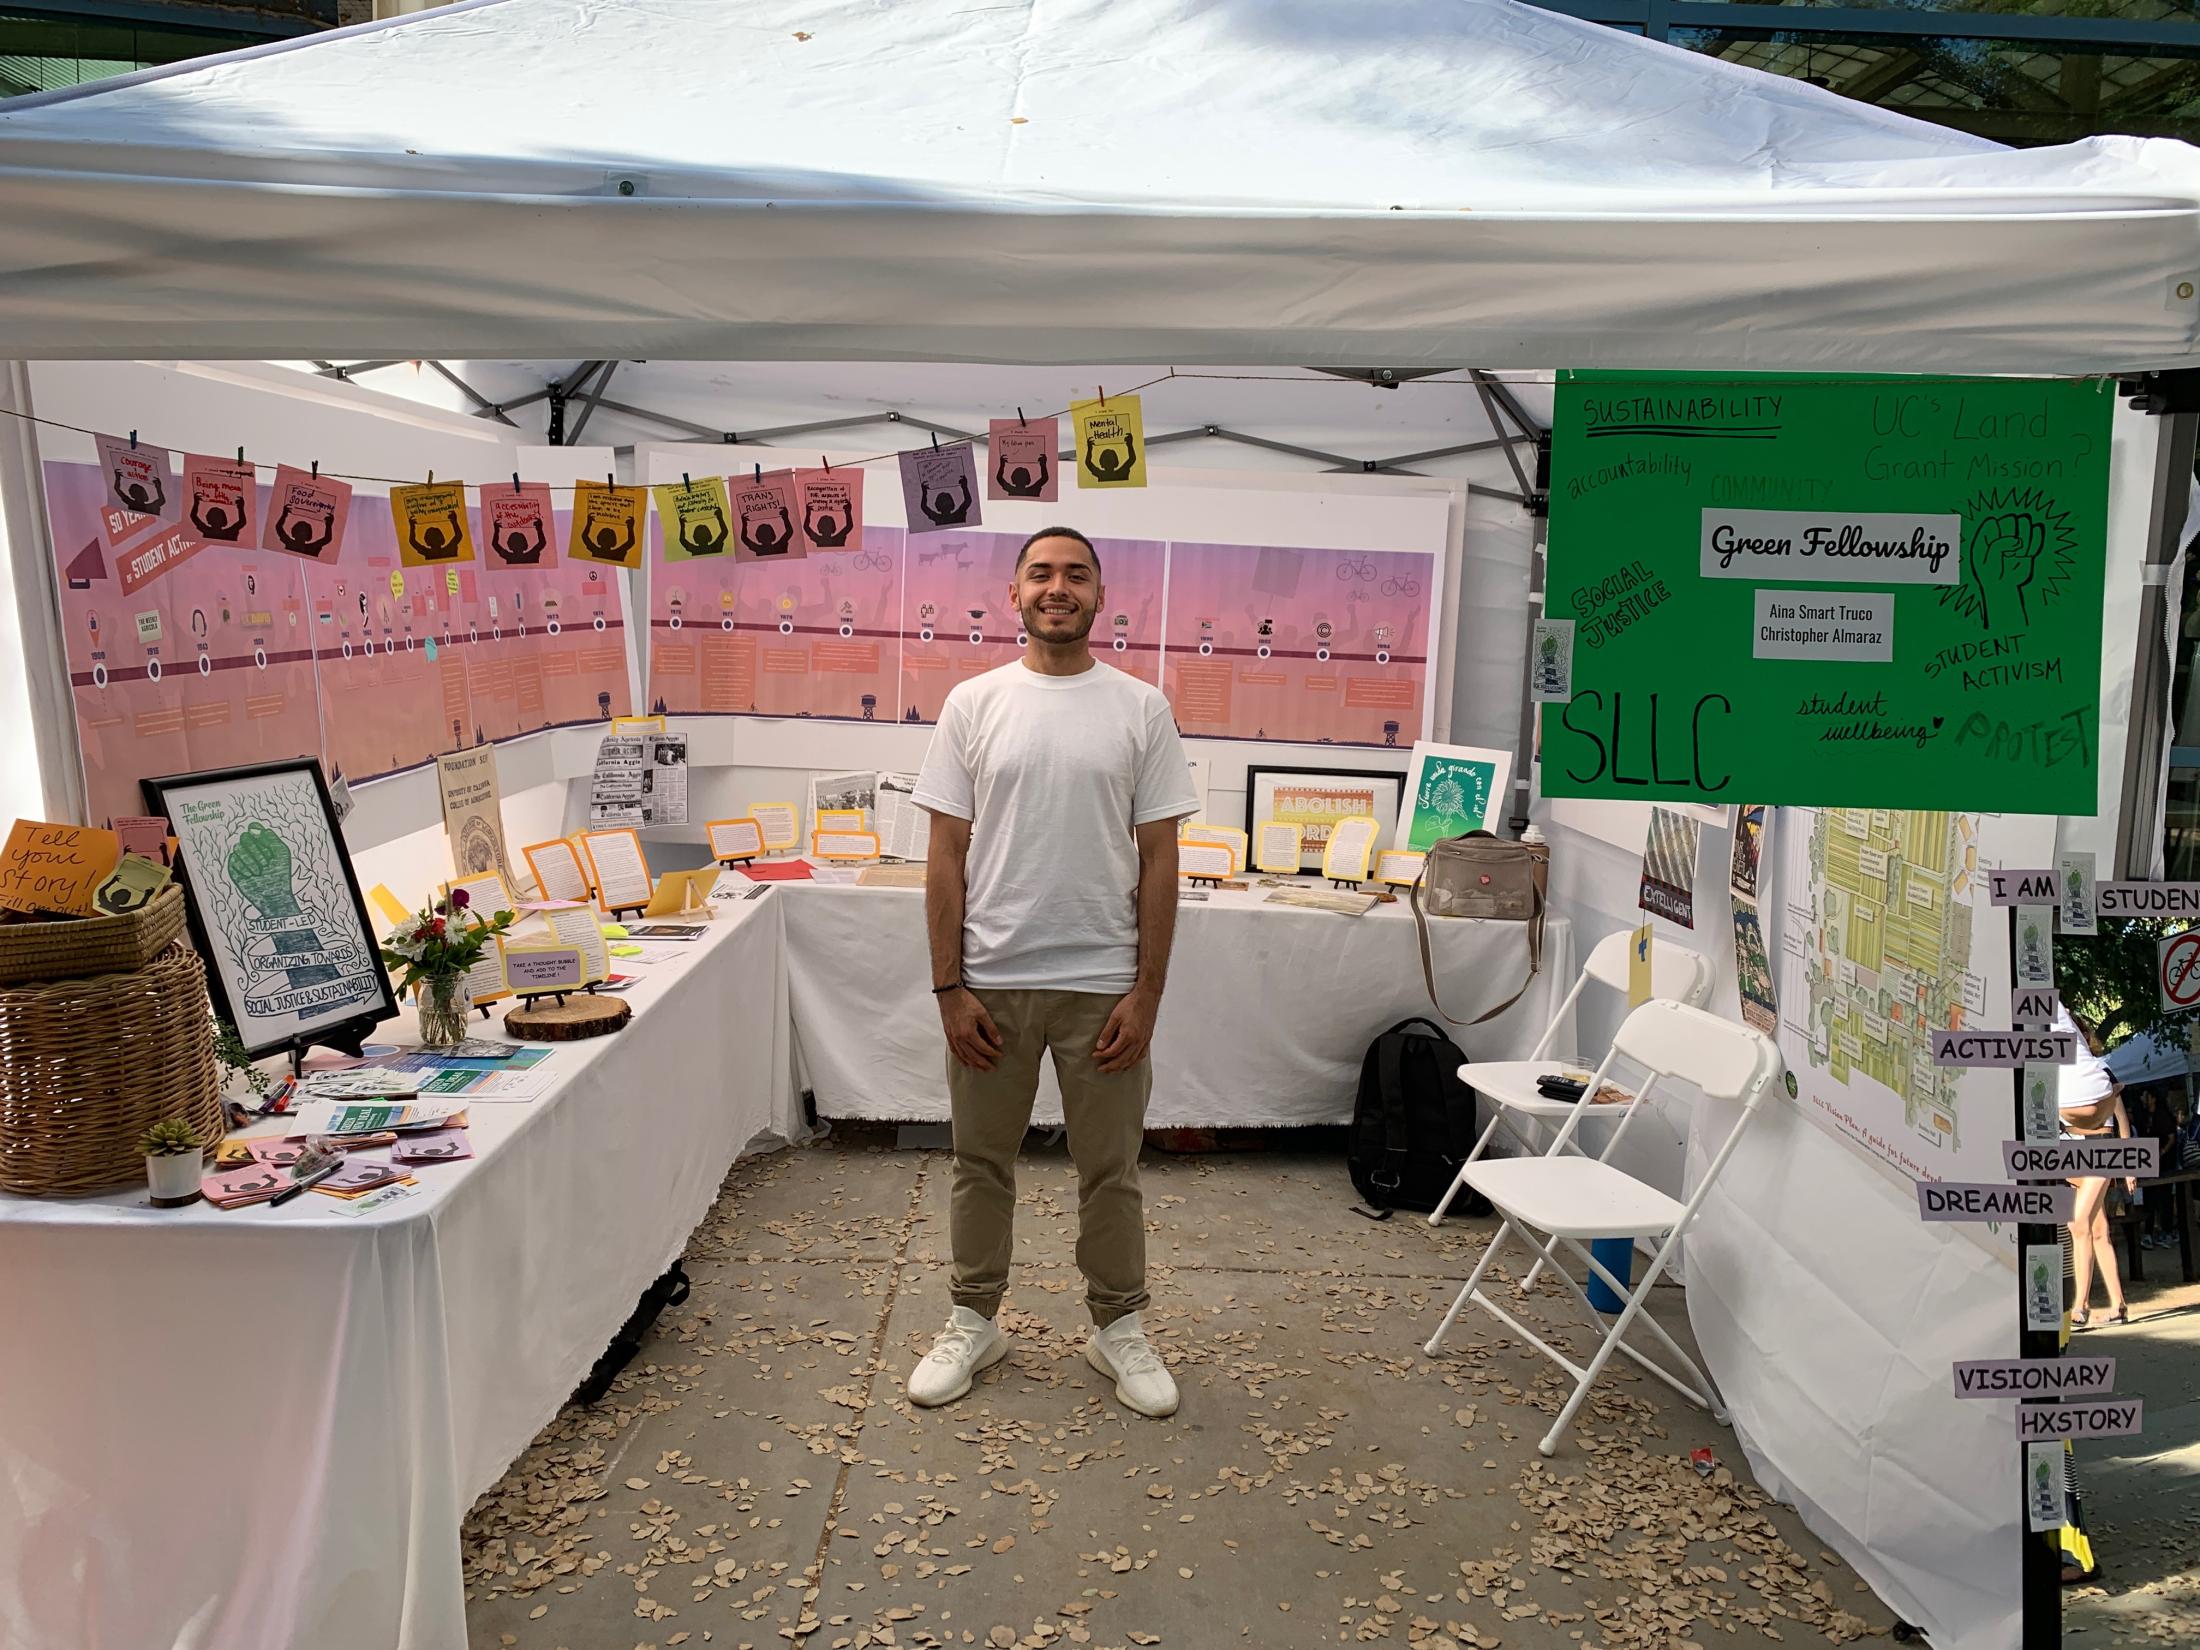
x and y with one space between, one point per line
47 867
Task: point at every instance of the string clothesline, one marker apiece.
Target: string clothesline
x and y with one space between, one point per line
488 487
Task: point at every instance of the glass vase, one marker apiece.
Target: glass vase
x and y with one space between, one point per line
443 1007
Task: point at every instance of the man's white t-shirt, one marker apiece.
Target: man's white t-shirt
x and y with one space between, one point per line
1053 772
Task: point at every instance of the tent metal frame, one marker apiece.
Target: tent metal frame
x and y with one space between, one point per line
1516 429
1525 442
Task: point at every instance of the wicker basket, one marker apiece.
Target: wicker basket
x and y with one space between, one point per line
86 1065
77 946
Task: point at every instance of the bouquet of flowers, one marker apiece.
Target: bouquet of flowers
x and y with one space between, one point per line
442 942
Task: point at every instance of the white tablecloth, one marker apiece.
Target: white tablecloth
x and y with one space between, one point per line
260 1429
1267 1015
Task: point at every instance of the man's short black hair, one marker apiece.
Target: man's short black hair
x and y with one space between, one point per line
1057 533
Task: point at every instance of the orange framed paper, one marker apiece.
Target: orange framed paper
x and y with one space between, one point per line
1399 867
618 867
1201 861
1228 835
487 892
732 839
844 844
558 869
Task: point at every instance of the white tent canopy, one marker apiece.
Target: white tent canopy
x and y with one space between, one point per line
1094 181
2148 1060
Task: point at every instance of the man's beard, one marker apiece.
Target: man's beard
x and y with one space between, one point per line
1086 618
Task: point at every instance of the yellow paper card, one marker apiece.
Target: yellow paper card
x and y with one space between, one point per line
682 891
131 886
694 515
1230 838
1351 848
387 905
840 819
1111 441
607 523
781 822
49 867
431 524
637 724
1638 969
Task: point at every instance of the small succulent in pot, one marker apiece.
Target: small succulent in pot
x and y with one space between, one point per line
174 1159
170 1137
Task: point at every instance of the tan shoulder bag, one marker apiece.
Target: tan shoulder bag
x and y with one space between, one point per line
1480 875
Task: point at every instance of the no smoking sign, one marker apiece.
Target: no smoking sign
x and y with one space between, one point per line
2177 971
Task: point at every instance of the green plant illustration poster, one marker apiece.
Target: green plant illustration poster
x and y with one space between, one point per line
1876 592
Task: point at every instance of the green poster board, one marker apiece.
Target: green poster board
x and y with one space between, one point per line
1859 592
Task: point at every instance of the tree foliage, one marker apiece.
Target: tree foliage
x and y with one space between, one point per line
2109 980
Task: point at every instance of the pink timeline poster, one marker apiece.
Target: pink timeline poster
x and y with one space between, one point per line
816 635
238 655
959 586
1302 645
417 660
208 665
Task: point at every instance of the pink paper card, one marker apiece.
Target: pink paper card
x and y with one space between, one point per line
140 487
145 835
219 498
519 525
764 517
939 488
242 1186
358 1176
435 1146
830 508
306 514
1024 454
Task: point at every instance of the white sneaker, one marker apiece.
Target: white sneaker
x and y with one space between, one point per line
971 1342
1123 1354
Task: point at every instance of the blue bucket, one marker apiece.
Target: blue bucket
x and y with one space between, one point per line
1616 1256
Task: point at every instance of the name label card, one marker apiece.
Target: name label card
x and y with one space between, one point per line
2004 1049
544 968
2035 1377
2106 1418
1959 1200
2073 1159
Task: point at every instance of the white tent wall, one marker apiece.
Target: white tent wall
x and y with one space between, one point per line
395 832
417 424
1828 1313
1412 182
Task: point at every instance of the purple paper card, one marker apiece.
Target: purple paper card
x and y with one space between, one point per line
939 488
1024 454
435 1146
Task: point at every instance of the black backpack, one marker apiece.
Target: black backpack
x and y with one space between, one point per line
1414 1121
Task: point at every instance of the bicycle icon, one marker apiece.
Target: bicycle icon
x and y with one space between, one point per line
872 561
1362 567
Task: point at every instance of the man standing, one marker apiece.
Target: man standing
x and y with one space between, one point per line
1055 785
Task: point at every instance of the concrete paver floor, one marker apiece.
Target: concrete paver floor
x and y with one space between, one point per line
757 1477
2142 1494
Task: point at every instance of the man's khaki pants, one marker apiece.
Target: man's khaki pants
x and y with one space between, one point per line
1106 1115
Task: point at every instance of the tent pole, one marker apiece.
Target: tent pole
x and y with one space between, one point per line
38 605
589 400
2139 820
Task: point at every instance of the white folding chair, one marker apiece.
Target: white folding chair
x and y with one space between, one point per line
1574 1200
1677 974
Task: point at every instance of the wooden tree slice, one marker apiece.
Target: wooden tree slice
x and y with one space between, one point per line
582 1014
